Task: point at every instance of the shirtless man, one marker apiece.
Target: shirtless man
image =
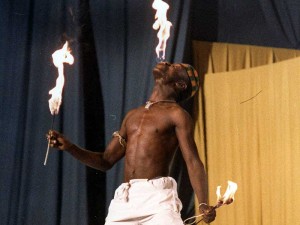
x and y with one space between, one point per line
148 138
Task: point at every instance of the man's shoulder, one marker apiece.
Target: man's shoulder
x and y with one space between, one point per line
133 111
180 115
180 110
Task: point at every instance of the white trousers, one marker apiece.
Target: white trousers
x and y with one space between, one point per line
146 202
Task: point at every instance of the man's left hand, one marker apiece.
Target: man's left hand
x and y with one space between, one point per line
208 211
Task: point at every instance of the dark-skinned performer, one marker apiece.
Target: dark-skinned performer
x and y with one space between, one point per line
148 138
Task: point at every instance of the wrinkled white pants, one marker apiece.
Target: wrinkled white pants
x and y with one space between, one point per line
146 202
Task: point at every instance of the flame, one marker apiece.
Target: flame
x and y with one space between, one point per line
163 25
228 196
59 57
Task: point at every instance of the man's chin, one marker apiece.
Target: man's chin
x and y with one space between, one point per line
156 69
160 67
157 72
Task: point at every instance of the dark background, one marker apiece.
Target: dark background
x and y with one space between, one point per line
114 48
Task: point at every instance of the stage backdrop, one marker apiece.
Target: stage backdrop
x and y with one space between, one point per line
248 130
113 44
114 48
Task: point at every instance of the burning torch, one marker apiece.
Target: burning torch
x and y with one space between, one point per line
163 26
59 57
226 199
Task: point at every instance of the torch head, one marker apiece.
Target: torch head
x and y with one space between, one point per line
163 26
60 57
228 196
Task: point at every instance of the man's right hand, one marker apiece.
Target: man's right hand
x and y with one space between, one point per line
57 140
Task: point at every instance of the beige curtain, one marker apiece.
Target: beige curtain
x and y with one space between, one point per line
248 130
221 57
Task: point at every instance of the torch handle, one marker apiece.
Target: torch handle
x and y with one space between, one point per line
52 123
48 147
47 153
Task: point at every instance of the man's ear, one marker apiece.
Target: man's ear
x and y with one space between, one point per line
181 85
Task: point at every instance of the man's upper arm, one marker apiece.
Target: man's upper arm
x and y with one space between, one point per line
114 150
196 171
185 135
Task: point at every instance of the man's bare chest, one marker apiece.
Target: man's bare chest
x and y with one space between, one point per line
149 123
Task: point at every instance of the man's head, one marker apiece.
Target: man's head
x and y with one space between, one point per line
193 78
183 77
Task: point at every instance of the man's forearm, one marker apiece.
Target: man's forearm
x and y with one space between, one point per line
198 180
89 158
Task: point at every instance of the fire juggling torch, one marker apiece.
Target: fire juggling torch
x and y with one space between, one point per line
226 199
163 25
59 57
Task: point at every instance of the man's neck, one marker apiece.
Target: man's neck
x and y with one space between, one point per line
150 103
162 92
